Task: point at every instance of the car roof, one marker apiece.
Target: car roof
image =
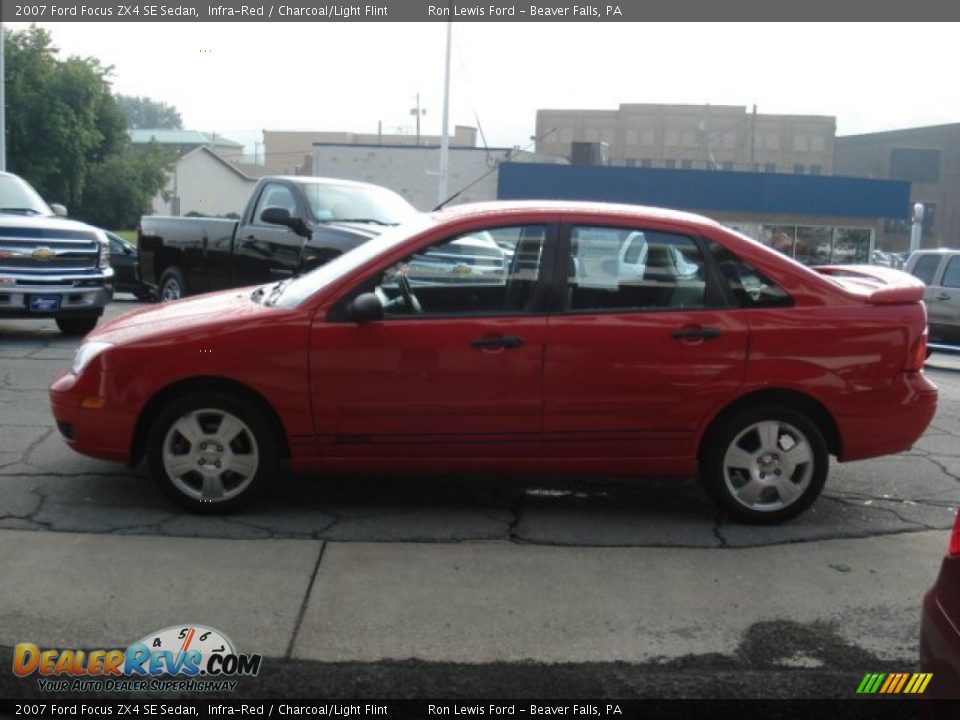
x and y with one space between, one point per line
571 207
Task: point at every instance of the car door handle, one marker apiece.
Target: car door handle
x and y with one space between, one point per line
943 296
501 342
696 333
281 272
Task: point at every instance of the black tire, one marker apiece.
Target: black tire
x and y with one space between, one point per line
254 445
173 286
783 488
76 326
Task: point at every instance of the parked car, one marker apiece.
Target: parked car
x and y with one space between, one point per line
939 270
290 226
50 267
126 273
751 378
940 625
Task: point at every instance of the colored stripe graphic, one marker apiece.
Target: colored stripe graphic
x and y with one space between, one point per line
894 683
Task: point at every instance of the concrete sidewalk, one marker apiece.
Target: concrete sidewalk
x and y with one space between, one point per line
463 602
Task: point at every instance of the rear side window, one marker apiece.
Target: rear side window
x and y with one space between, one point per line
925 268
951 276
622 269
749 287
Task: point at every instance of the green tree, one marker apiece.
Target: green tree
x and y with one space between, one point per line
142 112
61 116
120 189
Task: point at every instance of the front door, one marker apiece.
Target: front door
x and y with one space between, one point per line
264 252
455 367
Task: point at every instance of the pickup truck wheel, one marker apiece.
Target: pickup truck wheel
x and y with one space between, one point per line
212 452
76 325
172 285
765 464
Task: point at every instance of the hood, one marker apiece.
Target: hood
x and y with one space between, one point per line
209 311
15 220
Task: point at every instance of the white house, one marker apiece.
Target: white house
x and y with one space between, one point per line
203 182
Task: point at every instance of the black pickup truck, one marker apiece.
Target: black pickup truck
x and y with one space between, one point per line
290 226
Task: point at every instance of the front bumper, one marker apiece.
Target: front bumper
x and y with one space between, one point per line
89 300
105 432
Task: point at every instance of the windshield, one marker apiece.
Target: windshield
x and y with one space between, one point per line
306 285
329 201
18 197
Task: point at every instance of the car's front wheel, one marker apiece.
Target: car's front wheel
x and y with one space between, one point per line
764 464
212 452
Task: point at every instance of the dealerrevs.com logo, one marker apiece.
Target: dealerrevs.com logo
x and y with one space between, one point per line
197 658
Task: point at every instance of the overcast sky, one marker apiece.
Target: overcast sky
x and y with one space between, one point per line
236 79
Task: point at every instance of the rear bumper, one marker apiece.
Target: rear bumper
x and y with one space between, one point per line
883 422
940 636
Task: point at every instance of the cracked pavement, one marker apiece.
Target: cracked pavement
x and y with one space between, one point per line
45 486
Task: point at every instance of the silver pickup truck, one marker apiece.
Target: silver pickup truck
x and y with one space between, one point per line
940 272
49 266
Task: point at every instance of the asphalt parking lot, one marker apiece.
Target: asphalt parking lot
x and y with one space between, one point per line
505 586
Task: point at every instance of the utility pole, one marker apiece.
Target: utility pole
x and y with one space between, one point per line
418 112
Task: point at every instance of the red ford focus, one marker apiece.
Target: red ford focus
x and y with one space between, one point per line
518 337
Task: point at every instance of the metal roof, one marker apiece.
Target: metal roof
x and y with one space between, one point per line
180 137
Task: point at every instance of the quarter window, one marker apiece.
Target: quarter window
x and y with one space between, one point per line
749 287
629 269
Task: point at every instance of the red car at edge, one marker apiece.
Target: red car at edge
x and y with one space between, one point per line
523 337
940 625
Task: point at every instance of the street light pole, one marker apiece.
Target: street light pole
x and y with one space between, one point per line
916 230
445 137
3 103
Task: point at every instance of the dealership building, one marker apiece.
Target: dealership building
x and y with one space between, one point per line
815 218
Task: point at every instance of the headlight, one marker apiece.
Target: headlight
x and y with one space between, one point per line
104 255
86 353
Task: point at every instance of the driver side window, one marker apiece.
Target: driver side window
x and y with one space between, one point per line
483 272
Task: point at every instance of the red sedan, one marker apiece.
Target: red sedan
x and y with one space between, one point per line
520 338
940 625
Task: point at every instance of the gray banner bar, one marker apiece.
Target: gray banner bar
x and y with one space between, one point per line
529 10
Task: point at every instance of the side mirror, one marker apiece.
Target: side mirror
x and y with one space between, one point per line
281 216
366 308
58 209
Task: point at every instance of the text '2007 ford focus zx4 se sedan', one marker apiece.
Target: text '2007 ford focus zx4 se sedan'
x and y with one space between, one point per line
518 338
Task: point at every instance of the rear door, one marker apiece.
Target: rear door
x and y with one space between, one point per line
642 349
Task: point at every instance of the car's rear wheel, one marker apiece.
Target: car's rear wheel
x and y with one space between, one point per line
76 325
764 464
212 452
172 285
